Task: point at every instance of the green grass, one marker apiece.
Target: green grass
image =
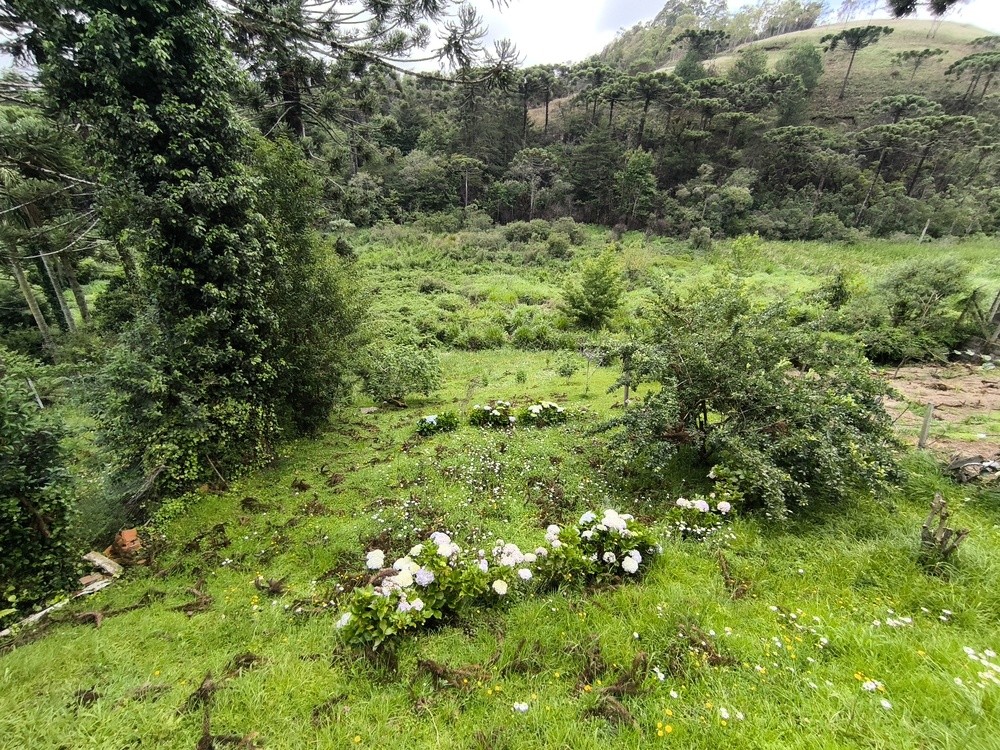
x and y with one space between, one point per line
836 577
793 624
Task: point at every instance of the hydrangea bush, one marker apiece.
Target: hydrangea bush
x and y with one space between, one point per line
700 517
434 423
543 414
493 414
437 579
600 549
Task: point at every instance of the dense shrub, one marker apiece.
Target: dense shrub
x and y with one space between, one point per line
434 423
36 503
593 298
493 414
542 414
913 314
438 579
776 414
392 370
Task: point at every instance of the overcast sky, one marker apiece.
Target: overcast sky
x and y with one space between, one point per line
553 31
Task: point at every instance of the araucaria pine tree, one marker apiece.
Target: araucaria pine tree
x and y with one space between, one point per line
206 368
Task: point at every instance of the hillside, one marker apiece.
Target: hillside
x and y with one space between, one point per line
874 74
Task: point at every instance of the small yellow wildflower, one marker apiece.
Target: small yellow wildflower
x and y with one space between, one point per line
357 739
587 688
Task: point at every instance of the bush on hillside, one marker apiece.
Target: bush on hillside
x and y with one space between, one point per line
778 415
36 503
391 371
593 298
914 314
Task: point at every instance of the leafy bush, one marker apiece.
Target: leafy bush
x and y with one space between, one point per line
701 239
542 414
438 579
594 297
775 414
434 423
568 226
36 503
391 371
493 414
700 517
913 314
434 581
559 246
603 549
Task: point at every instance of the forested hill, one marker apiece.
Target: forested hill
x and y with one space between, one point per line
878 70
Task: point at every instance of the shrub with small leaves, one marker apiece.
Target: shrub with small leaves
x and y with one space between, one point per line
601 549
494 414
433 423
542 414
36 501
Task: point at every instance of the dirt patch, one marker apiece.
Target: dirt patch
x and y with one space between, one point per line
964 397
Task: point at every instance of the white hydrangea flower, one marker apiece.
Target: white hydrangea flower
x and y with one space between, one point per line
630 565
417 604
500 587
588 517
375 559
525 574
634 554
702 506
609 558
724 507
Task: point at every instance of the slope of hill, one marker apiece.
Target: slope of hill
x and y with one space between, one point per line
874 75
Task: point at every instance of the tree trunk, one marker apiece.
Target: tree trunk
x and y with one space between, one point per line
29 297
548 95
642 120
871 188
524 125
70 273
849 66
611 114
916 173
60 295
128 266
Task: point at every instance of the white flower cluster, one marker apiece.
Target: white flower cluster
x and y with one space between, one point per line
702 505
538 408
611 522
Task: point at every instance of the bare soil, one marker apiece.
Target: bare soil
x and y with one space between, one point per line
964 397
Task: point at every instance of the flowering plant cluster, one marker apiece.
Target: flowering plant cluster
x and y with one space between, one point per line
597 549
435 580
493 414
438 579
699 517
543 414
432 423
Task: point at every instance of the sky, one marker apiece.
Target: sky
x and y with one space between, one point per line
554 31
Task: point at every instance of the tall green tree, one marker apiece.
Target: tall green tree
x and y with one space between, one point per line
204 380
854 40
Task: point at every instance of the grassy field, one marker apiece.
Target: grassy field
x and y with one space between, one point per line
763 637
